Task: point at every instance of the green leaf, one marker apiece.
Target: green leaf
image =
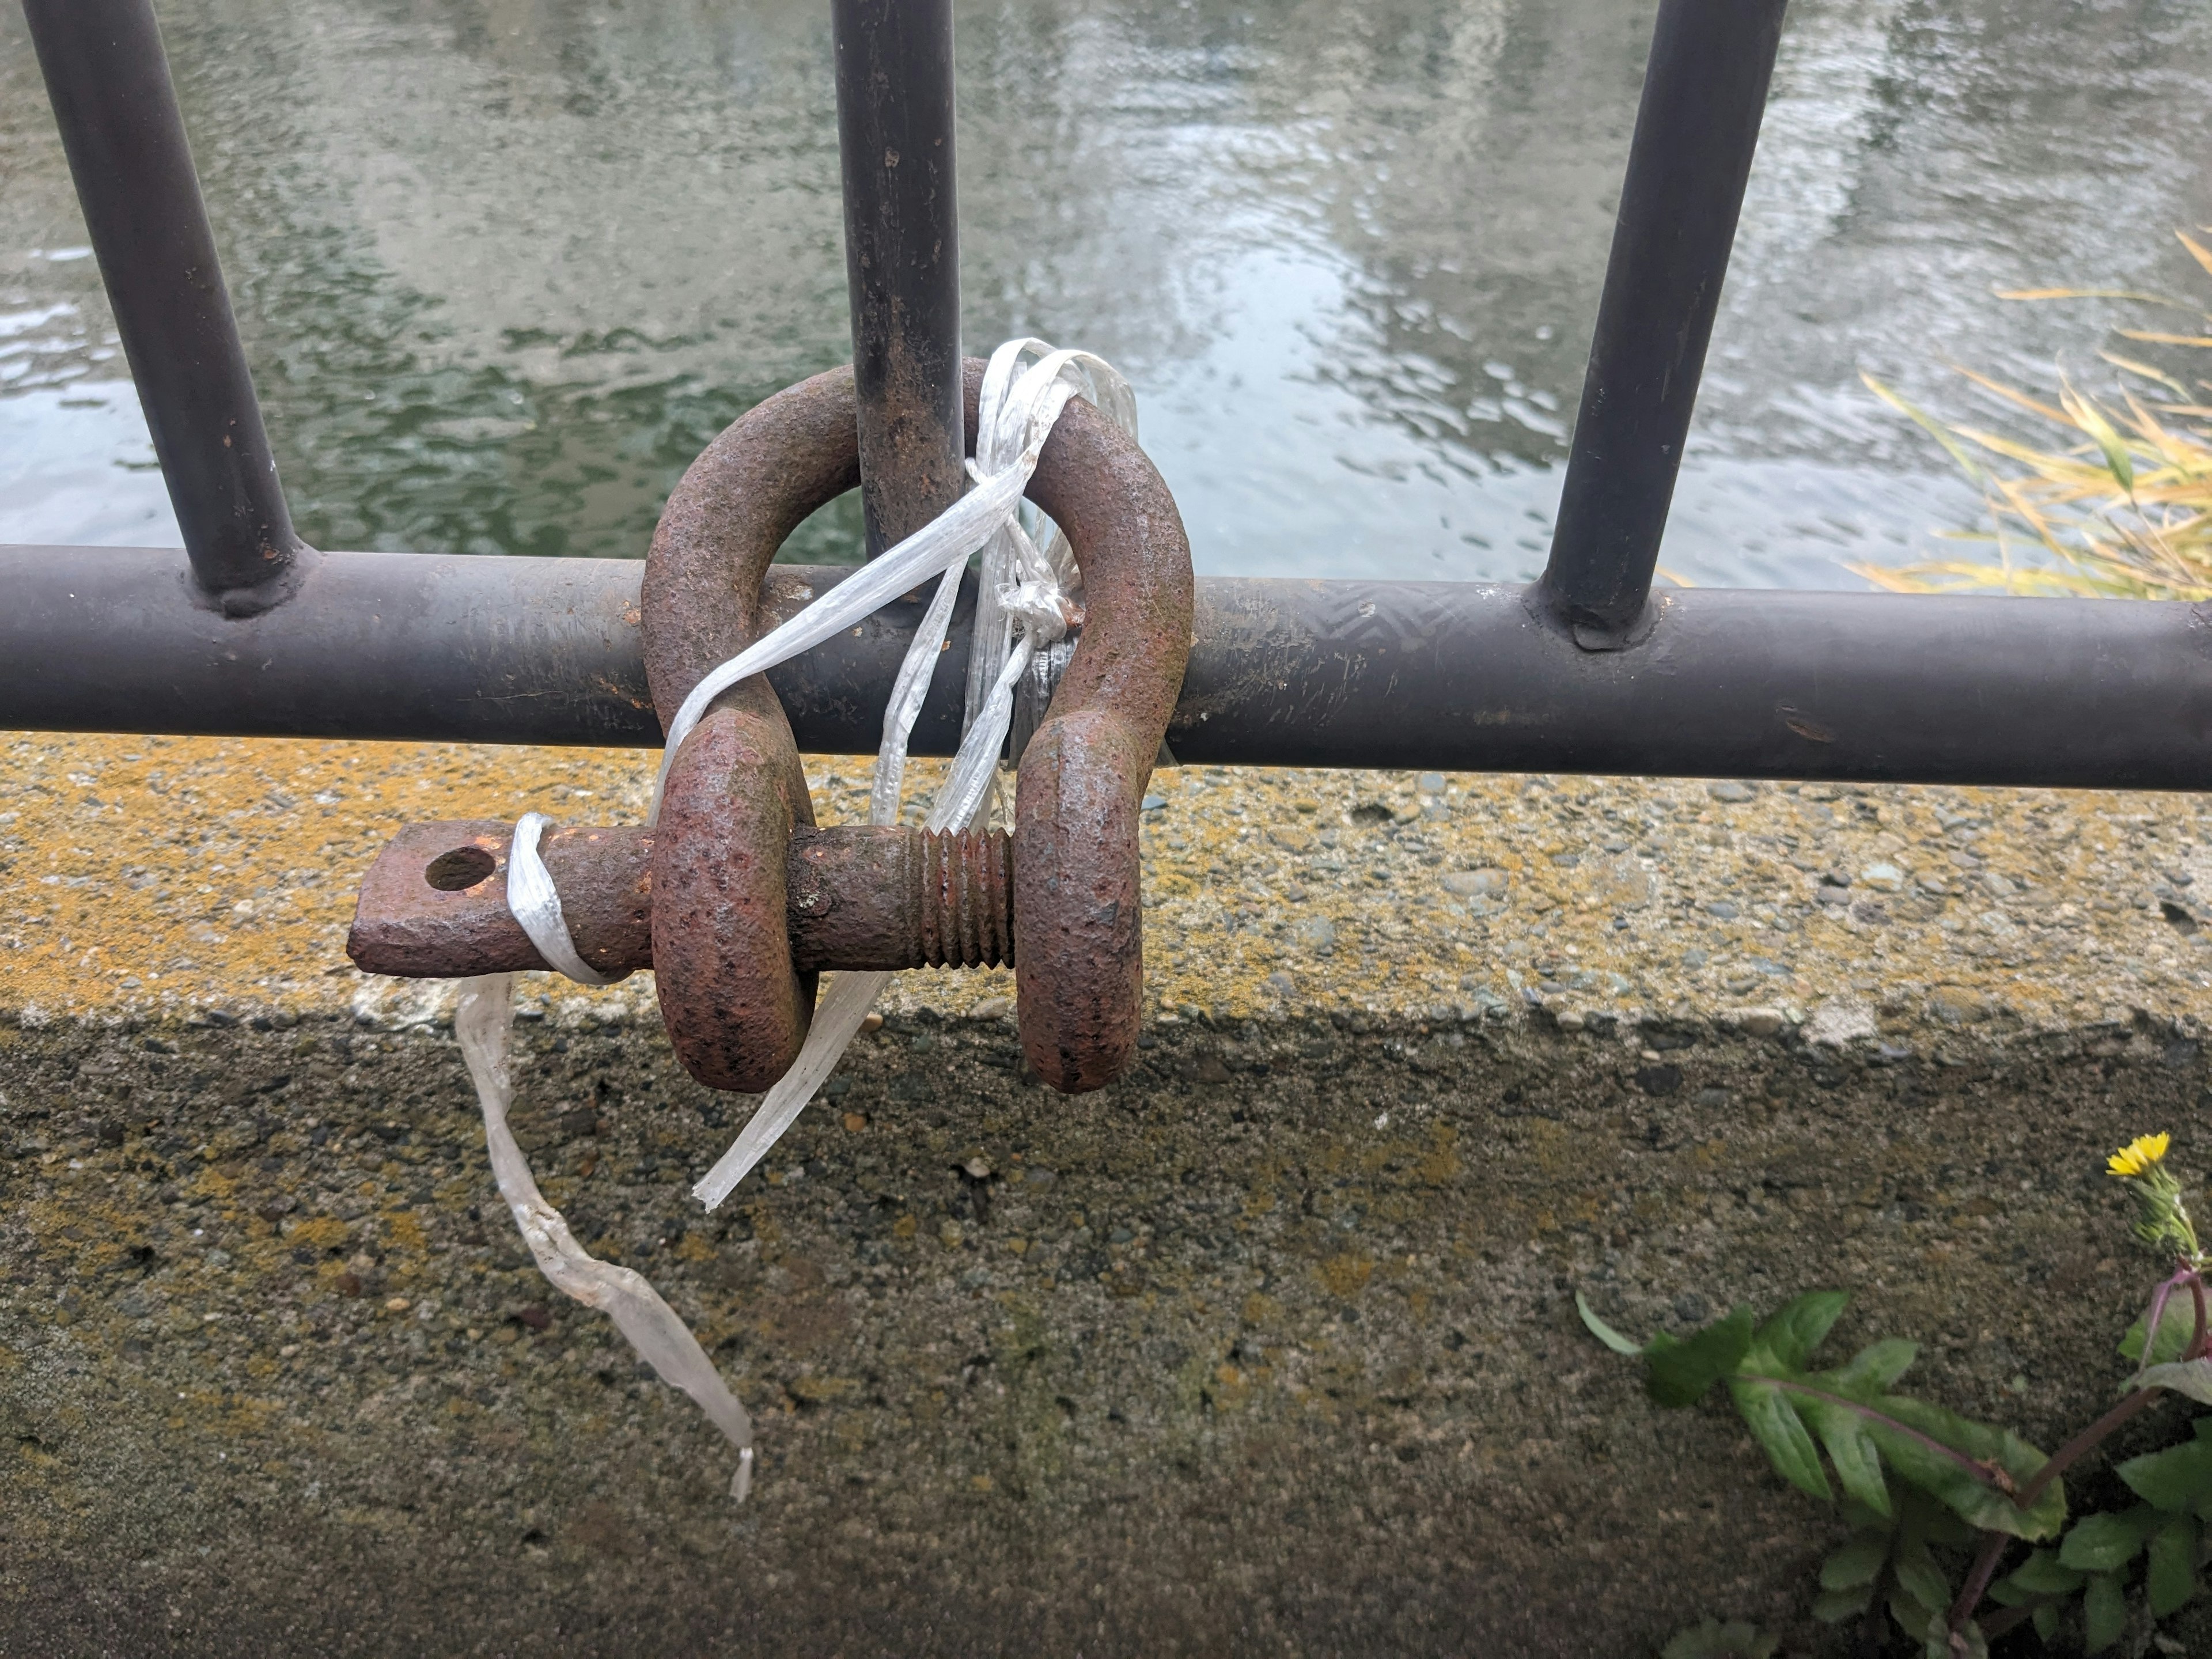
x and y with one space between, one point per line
1967 1466
2175 1325
2104 1543
1937 1524
2045 1620
1782 1433
1879 1365
2091 419
1919 1578
1603 1332
1681 1370
2044 1574
1714 1640
2170 1578
1833 1607
2106 1609
1862 1517
1973 1468
1913 1618
1793 1334
1856 1564
1852 1450
2176 1480
2194 1379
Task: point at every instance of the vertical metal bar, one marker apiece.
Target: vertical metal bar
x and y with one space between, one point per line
108 79
1705 90
895 102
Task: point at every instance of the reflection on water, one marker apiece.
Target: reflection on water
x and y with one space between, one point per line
504 266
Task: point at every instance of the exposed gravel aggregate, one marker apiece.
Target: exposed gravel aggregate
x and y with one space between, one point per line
1268 1348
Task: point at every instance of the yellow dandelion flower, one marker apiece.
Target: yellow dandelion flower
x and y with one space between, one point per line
2138 1156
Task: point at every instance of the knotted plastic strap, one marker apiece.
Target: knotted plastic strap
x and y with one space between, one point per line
481 1020
1027 601
1024 603
533 901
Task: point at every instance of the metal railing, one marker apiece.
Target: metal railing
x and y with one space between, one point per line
1584 670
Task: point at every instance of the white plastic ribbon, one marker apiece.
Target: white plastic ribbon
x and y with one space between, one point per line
1023 603
1026 601
532 900
481 1021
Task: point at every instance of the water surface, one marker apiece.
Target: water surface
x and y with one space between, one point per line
504 266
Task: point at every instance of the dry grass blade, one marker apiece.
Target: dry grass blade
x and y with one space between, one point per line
2121 508
2146 371
2093 294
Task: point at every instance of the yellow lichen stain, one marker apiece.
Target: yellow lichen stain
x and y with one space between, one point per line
694 1247
905 1227
401 1228
1345 1276
1259 1309
1441 1166
159 875
1550 1149
174 872
213 1183
321 1232
1230 1388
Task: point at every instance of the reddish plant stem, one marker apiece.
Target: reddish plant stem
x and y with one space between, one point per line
1993 1543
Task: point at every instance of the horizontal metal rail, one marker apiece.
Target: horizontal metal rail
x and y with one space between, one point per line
1453 676
254 634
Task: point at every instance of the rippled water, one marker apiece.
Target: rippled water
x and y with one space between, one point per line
504 266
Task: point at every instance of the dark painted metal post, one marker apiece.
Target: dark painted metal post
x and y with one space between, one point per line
1705 90
895 100
109 81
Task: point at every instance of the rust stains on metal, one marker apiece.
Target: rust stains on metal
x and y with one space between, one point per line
891 898
735 1006
411 923
735 901
1079 931
433 905
1079 915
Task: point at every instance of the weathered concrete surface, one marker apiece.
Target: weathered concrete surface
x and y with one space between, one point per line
1270 1348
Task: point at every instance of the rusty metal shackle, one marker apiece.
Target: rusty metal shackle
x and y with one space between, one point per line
735 1004
434 903
734 898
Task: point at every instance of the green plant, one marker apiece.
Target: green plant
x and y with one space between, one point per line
1937 1504
2124 510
